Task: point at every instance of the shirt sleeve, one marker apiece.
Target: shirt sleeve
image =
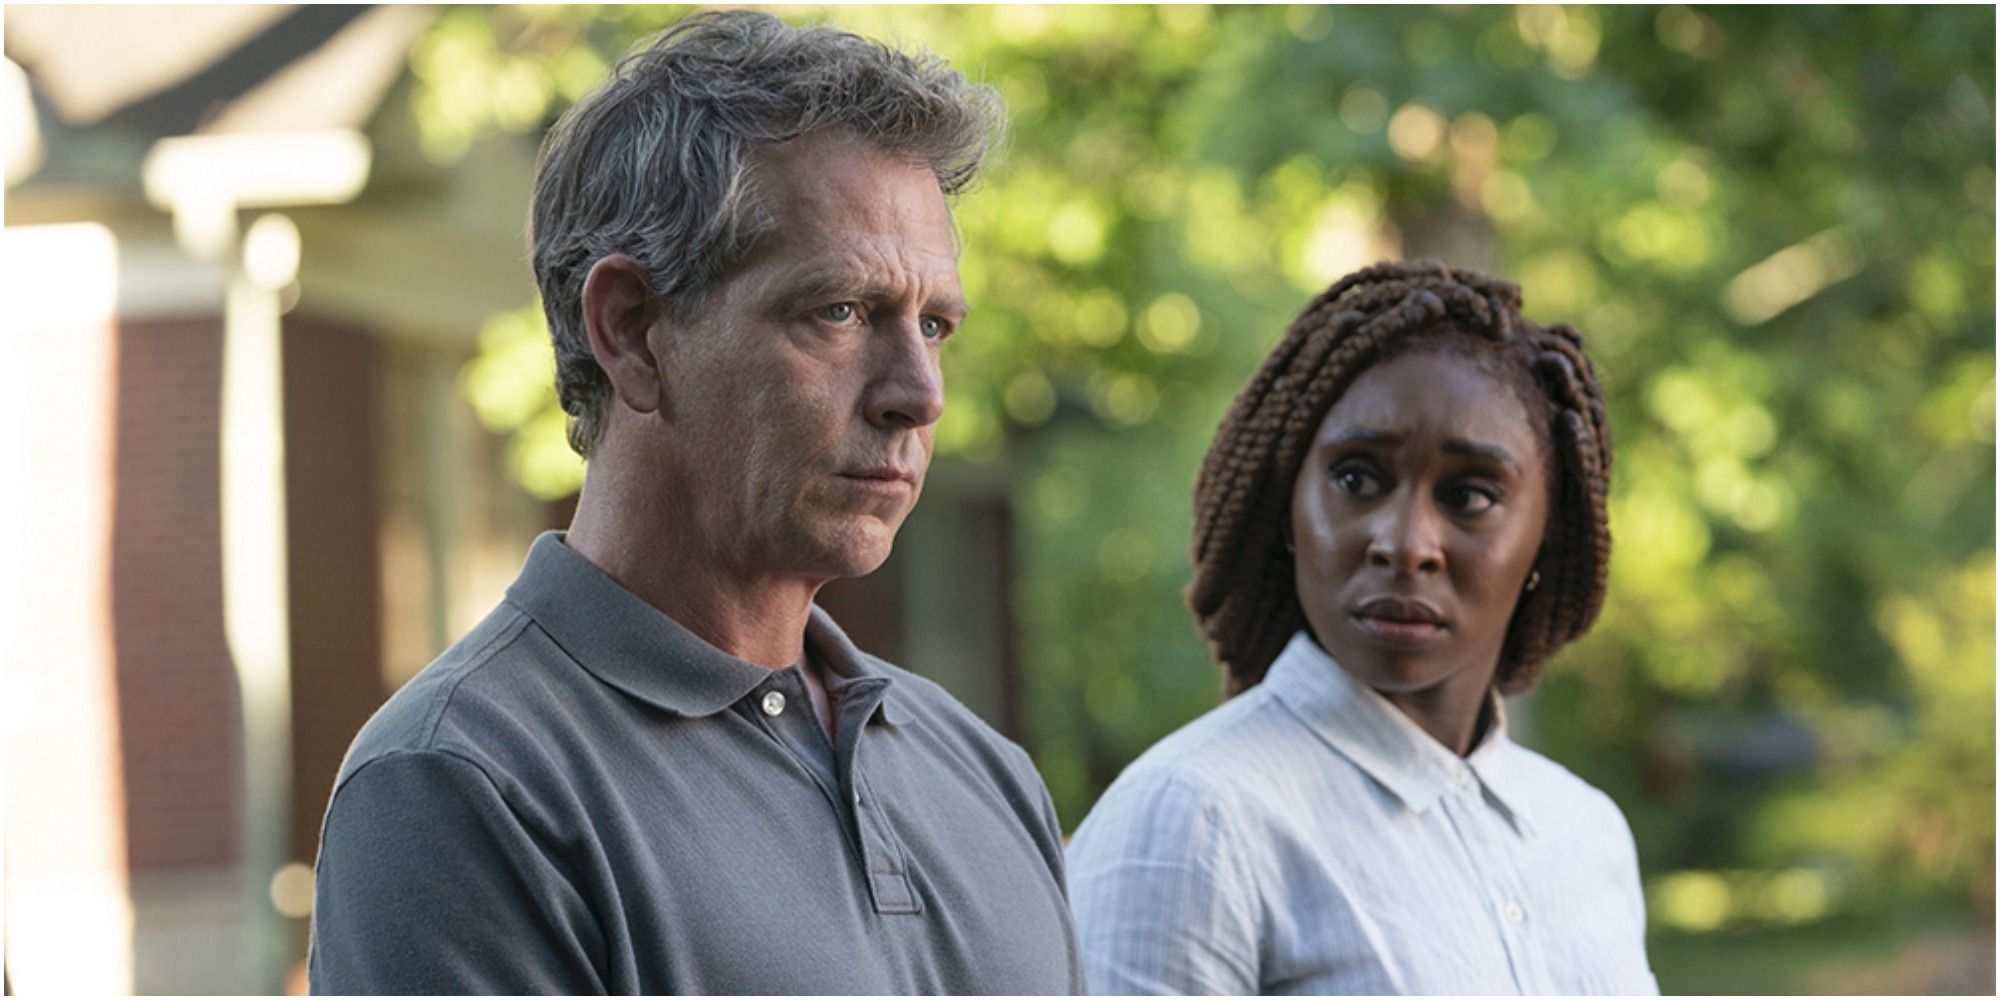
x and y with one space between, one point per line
1162 900
1058 867
429 883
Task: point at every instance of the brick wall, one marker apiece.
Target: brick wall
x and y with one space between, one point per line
331 443
176 688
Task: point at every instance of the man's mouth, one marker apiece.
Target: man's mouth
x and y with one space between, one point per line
894 480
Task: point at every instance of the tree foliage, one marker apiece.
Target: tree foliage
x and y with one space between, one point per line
1776 230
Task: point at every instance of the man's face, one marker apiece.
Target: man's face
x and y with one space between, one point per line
802 398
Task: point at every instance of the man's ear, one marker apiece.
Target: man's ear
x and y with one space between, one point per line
618 314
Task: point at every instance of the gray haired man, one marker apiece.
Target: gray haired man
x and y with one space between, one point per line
657 767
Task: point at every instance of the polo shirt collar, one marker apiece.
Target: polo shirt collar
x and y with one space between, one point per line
629 644
853 671
1377 737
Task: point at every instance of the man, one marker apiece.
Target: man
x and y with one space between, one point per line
657 768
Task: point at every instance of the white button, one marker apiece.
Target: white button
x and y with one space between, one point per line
774 702
1513 913
1461 775
857 800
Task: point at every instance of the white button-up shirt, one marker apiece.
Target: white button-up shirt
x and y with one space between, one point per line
1307 837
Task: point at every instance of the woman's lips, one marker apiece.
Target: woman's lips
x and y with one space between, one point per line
1401 622
1394 632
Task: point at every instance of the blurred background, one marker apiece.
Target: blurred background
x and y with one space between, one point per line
285 426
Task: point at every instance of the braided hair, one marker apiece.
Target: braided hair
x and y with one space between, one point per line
1244 597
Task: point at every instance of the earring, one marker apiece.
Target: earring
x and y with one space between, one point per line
1534 580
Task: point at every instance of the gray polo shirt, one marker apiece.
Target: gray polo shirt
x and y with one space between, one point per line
583 797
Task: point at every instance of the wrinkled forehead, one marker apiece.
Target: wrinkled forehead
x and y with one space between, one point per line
1502 362
837 219
1440 393
834 177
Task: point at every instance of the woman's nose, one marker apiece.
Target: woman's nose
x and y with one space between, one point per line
1405 538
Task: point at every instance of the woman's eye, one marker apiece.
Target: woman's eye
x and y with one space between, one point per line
1468 499
1356 481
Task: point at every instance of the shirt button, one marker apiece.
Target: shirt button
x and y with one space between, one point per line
774 702
1461 775
1513 913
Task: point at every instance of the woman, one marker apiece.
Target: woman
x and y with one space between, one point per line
1401 518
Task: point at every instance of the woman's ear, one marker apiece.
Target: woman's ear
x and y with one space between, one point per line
618 314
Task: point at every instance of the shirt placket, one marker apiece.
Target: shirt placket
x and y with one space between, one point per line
883 859
1484 837
787 717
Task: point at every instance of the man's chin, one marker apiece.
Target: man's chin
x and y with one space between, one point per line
852 549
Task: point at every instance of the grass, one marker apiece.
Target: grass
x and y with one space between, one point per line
1897 951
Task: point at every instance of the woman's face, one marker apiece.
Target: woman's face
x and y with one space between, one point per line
1416 519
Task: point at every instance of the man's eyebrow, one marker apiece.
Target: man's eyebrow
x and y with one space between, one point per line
835 284
953 306
826 285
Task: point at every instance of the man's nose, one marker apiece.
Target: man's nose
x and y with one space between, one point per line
1405 536
908 388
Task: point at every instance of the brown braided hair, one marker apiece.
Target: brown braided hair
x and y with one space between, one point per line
1244 597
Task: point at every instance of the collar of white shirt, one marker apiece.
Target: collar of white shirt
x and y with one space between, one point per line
1364 727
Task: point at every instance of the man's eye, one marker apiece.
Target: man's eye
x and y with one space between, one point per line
839 312
934 328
